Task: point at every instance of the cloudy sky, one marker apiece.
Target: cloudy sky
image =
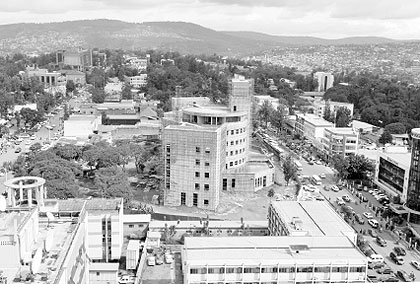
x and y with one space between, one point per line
323 18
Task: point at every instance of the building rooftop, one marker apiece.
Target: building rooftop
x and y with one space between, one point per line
158 225
8 221
315 120
136 218
81 117
123 116
103 204
316 218
399 159
212 110
341 130
270 250
196 127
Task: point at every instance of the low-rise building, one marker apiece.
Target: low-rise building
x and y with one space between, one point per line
81 126
138 81
311 126
135 226
393 170
279 259
307 218
341 141
321 105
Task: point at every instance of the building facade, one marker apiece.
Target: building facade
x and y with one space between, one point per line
325 81
206 149
341 141
393 170
138 81
413 192
321 105
311 126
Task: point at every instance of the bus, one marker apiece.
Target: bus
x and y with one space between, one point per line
298 165
316 180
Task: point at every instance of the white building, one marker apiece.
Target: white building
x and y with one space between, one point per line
280 259
340 141
311 126
325 80
320 105
81 126
138 81
393 170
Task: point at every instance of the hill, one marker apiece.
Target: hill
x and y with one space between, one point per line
172 36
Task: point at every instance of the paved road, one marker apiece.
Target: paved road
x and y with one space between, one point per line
359 208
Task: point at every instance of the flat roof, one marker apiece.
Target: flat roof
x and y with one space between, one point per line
315 120
157 225
213 110
123 116
270 250
341 130
400 159
103 204
7 221
81 117
133 245
315 217
191 126
136 218
104 266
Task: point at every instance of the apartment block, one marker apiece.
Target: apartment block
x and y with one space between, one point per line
325 80
311 126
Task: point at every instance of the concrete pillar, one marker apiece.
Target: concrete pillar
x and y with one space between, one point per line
13 194
20 191
9 196
29 197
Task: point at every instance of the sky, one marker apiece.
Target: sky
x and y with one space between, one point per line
321 18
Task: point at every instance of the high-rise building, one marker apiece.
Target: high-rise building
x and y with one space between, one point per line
413 192
206 150
325 81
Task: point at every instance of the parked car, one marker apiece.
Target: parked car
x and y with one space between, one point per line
364 199
340 201
415 264
372 233
346 198
359 219
323 176
400 251
403 276
125 279
391 279
159 260
374 223
18 150
385 270
335 188
169 258
381 241
368 215
396 258
151 261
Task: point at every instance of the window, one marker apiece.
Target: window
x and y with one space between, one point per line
183 198
206 186
195 199
207 164
237 142
194 271
224 184
207 175
207 150
231 164
98 273
197 186
206 202
197 149
230 270
232 132
131 226
237 131
197 174
236 152
140 225
231 143
233 183
231 153
234 108
227 132
236 163
197 162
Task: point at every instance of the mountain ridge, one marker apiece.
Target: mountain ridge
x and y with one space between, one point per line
173 36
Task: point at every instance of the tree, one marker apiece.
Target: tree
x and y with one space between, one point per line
30 116
278 118
66 114
113 182
17 116
35 147
70 87
327 111
126 92
385 138
265 112
270 193
358 167
342 117
67 152
98 95
395 128
340 164
289 169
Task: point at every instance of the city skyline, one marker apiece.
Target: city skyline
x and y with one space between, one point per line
323 18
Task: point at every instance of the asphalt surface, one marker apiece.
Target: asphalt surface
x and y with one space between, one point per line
360 208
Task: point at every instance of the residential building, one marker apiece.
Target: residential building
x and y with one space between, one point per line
100 273
413 192
209 150
363 127
77 77
138 81
277 259
138 63
49 79
321 105
393 170
341 141
325 80
311 126
307 218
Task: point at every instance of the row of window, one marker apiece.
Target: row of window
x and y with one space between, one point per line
238 162
236 152
206 150
237 131
206 174
197 186
307 269
198 162
235 142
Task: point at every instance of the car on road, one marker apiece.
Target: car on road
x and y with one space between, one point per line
400 251
310 163
169 258
18 150
396 258
318 162
327 187
364 199
340 201
372 278
415 264
323 176
359 219
125 279
385 270
33 137
374 223
29 142
403 276
346 198
368 215
159 260
372 233
381 241
391 279
335 188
